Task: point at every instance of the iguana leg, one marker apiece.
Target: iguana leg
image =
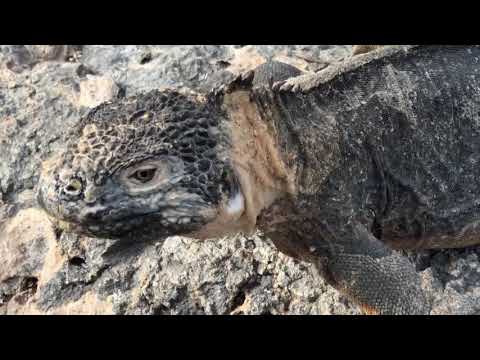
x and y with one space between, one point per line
373 276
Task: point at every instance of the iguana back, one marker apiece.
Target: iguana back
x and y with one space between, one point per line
406 133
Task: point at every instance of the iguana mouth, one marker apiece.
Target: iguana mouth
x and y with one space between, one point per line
126 225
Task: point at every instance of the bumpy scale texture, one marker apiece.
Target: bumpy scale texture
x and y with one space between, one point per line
113 136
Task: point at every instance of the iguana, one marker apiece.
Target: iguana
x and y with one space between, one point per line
340 168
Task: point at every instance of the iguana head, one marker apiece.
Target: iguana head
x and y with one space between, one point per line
148 166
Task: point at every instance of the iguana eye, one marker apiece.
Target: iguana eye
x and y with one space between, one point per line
144 175
152 174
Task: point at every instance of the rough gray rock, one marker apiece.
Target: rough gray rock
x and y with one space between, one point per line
23 57
45 89
35 108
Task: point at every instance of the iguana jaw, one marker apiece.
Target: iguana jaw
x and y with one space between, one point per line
120 221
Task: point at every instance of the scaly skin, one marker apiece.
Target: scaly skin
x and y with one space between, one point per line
337 168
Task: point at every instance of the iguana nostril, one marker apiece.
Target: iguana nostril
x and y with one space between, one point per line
73 188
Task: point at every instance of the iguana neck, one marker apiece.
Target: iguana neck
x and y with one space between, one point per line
281 145
265 167
307 135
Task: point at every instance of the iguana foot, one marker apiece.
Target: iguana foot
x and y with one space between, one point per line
375 277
